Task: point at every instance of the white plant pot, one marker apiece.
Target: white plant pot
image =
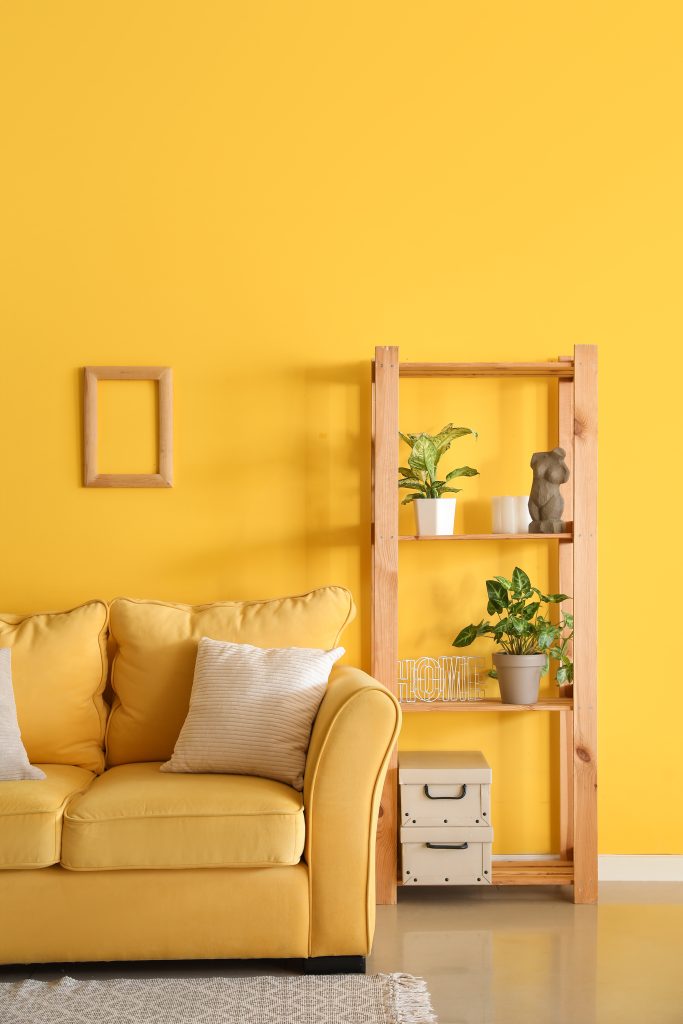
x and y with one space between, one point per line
434 517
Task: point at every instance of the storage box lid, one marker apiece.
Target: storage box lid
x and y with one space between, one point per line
442 766
447 834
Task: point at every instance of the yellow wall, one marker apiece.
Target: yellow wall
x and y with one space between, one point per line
257 194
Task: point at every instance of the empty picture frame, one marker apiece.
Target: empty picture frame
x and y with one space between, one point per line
164 476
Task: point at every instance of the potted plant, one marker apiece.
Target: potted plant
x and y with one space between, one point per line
526 637
434 515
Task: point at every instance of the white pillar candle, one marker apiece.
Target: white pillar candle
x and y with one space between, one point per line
508 515
522 517
495 515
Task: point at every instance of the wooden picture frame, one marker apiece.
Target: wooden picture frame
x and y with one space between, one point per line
164 477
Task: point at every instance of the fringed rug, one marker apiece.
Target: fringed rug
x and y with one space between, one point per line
321 999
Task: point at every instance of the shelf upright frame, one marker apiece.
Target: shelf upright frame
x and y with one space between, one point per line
577 570
385 592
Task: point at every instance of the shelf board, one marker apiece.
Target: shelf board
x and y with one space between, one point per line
491 536
488 704
533 872
563 370
530 872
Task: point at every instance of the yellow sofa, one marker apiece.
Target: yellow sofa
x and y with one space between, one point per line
108 858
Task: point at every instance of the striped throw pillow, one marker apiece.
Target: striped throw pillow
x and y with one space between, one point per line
14 762
252 710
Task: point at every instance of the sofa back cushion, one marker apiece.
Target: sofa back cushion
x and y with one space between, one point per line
156 649
59 668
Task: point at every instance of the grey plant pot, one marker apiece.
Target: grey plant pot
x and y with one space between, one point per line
519 677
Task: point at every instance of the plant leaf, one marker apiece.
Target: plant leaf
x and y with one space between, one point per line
408 438
451 490
412 484
556 598
561 676
462 471
498 596
405 471
424 456
466 636
568 621
448 434
544 640
521 584
530 610
411 497
505 581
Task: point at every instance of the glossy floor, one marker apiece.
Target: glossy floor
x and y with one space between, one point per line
529 956
509 956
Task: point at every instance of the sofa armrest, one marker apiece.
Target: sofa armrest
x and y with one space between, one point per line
351 743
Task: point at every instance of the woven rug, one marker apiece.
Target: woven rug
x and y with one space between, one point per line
321 999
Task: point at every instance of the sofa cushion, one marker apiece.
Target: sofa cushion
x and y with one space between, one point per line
59 668
133 816
157 648
31 815
14 762
251 710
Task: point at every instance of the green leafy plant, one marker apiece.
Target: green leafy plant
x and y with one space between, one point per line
522 627
421 475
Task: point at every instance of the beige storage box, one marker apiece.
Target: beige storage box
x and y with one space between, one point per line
446 832
445 787
446 856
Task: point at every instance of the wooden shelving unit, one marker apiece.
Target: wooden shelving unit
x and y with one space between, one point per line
493 536
488 704
577 566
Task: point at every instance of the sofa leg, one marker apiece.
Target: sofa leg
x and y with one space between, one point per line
334 965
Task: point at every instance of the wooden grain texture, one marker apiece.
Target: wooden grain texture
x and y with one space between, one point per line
164 476
566 783
431 370
585 624
129 480
487 704
89 426
385 591
128 372
565 402
532 872
166 426
489 536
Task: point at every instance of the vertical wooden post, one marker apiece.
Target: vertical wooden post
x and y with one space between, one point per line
385 590
585 624
565 401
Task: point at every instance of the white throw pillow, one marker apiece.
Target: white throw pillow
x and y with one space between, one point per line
14 762
252 710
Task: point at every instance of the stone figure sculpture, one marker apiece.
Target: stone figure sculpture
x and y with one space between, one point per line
546 504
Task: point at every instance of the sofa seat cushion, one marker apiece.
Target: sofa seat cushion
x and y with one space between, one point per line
31 815
134 816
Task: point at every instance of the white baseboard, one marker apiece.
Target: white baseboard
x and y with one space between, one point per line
617 867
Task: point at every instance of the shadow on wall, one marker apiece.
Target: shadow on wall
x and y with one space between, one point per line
338 481
271 493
